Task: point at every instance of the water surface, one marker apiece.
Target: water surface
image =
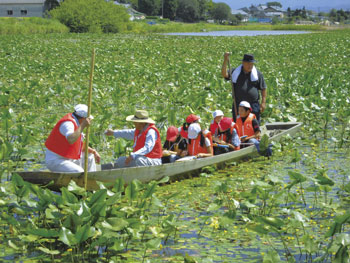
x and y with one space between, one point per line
240 33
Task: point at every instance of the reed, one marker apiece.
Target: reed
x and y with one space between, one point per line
30 25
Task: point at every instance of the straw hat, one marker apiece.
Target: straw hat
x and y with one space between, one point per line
140 116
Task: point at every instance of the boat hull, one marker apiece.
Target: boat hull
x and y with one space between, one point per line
146 174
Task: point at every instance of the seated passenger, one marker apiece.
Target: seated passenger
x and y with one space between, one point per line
226 135
247 126
174 147
65 151
147 148
200 143
217 115
189 120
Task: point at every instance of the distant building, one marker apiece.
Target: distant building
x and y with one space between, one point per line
134 15
22 8
264 13
244 14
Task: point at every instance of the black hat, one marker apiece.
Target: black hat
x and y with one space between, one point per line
248 58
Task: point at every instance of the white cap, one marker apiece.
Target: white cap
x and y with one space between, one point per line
82 110
245 104
193 130
217 113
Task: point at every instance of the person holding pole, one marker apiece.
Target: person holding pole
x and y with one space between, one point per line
147 148
65 151
246 83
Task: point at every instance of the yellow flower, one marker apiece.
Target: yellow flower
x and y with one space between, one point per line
262 253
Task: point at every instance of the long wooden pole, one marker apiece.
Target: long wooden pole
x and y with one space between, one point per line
89 113
233 90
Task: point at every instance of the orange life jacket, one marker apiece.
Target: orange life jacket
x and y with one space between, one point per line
223 136
213 127
194 147
245 128
140 139
59 144
183 133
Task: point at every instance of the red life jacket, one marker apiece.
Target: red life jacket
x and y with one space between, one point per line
183 133
139 142
213 127
59 144
223 136
194 147
245 128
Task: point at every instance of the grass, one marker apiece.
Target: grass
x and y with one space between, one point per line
30 25
36 25
142 27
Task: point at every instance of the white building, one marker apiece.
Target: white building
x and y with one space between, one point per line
22 8
244 14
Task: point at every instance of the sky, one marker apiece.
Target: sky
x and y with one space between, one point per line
321 5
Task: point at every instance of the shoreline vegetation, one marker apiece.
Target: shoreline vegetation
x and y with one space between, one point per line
36 25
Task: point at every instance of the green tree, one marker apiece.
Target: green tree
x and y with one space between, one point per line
150 7
188 10
170 7
133 3
221 11
269 4
51 4
235 19
203 8
91 16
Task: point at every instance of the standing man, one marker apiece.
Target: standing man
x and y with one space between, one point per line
247 81
65 143
147 148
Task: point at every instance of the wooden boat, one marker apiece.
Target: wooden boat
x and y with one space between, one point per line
145 174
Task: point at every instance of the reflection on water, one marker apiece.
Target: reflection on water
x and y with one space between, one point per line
240 33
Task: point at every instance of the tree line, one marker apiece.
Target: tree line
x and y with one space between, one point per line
186 10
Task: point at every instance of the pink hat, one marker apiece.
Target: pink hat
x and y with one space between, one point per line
192 118
225 123
172 133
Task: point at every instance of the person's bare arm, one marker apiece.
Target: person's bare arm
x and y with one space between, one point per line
72 138
224 72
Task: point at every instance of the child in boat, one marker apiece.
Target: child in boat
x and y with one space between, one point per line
189 120
247 126
217 115
174 147
200 143
226 135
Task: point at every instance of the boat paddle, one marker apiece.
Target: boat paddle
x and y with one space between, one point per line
89 113
233 90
